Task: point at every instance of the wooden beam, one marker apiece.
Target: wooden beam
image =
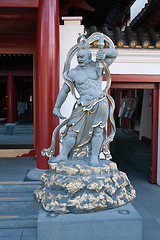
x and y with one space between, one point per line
20 3
63 9
17 40
22 73
132 85
80 4
18 44
17 73
17 50
134 78
18 15
3 73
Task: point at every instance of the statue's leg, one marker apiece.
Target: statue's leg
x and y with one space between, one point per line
96 145
68 144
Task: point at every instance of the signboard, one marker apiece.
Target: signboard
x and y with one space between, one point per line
127 107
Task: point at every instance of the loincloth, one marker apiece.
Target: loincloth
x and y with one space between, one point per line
85 118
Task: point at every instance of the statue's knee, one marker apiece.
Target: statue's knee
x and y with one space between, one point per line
71 133
98 132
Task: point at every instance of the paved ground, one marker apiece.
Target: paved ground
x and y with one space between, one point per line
17 139
18 234
15 169
22 134
146 203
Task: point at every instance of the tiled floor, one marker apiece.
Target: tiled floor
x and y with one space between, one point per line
18 234
17 139
15 169
147 202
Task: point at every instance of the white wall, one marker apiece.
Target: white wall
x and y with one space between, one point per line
146 115
68 38
137 61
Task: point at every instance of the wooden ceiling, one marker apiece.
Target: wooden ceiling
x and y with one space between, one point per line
18 21
109 13
22 20
97 12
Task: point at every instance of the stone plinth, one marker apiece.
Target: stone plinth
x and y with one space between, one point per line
9 128
75 187
109 224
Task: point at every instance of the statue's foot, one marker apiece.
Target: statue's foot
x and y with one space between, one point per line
59 158
94 161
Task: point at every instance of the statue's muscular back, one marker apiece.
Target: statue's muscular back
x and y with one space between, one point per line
86 81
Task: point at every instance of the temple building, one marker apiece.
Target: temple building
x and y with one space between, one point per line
35 38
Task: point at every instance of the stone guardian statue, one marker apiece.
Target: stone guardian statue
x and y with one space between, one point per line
78 180
85 134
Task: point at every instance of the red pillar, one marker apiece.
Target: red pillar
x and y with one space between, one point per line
154 143
10 98
47 72
108 123
117 107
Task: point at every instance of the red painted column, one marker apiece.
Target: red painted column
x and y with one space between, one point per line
108 123
117 107
47 75
10 97
154 143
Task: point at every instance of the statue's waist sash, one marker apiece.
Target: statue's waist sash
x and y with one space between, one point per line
85 118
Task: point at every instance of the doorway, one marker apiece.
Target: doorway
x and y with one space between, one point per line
16 85
24 93
154 128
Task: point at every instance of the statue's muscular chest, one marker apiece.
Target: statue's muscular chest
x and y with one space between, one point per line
83 76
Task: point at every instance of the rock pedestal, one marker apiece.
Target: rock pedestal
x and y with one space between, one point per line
75 187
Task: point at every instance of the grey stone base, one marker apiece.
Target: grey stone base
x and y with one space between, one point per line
9 128
109 224
35 173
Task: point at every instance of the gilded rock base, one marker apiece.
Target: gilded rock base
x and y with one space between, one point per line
75 187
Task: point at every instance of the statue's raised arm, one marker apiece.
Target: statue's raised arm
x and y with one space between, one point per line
108 55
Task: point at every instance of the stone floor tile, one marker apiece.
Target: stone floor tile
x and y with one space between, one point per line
10 238
158 220
151 235
11 232
137 204
144 213
153 209
29 238
150 225
30 232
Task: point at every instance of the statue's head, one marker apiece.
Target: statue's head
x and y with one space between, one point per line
84 55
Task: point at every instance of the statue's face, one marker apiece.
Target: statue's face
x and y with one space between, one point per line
83 57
